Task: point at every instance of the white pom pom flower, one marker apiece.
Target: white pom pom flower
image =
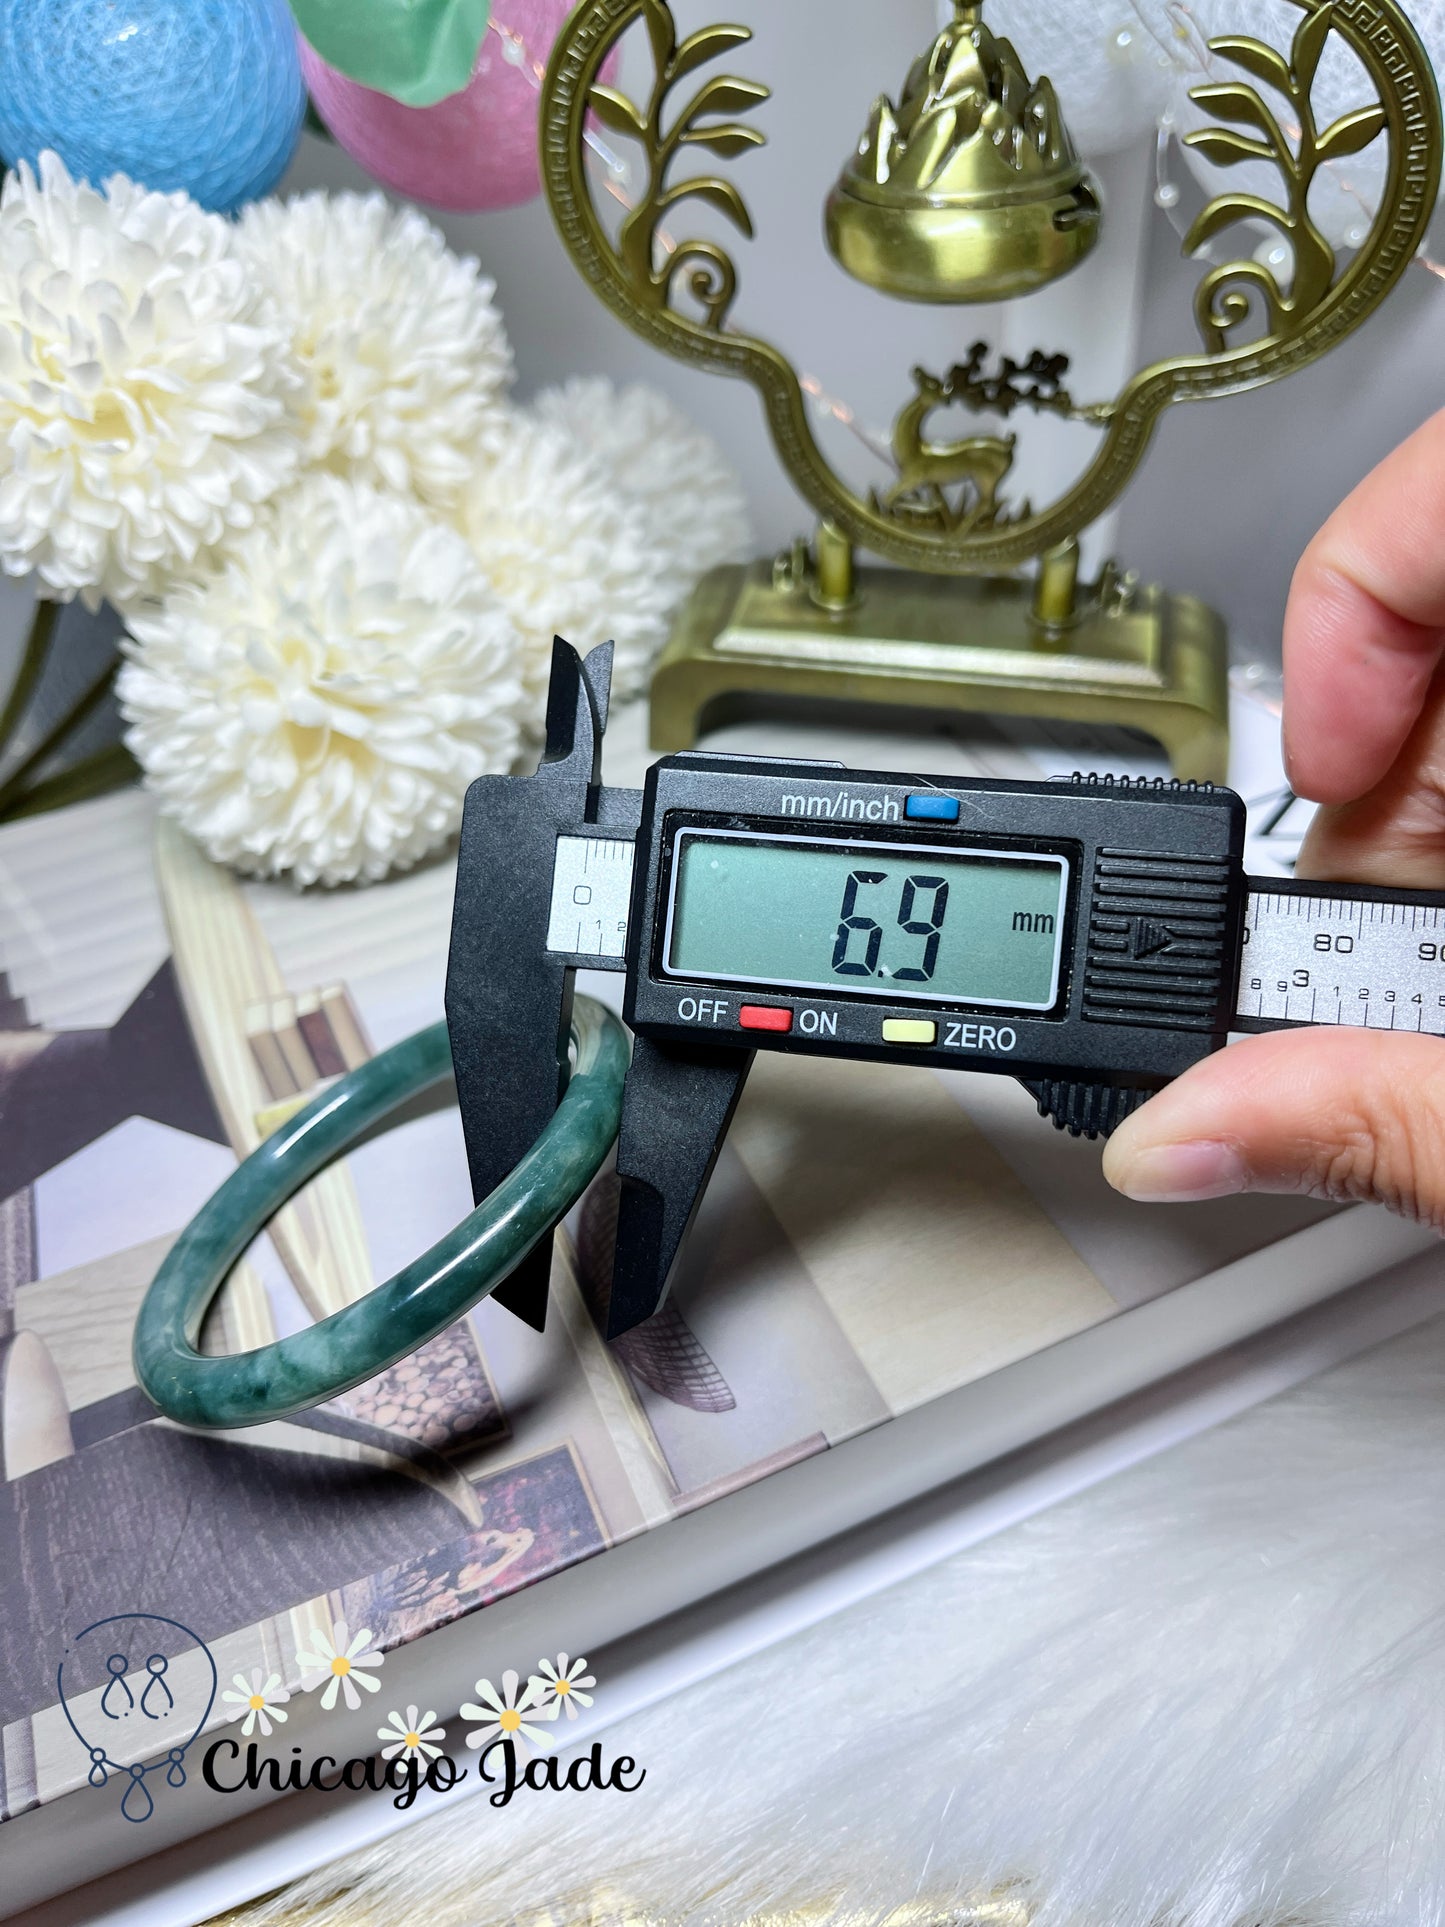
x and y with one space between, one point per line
694 499
569 554
407 360
318 702
145 386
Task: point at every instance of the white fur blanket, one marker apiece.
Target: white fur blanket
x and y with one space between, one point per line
1208 1693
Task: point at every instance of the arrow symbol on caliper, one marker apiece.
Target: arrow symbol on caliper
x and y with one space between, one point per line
1150 937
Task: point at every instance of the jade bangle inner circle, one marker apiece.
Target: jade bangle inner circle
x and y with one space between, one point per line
431 1293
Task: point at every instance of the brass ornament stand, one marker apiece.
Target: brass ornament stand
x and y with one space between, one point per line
969 189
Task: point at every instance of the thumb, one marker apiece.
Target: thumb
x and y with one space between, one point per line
1346 1115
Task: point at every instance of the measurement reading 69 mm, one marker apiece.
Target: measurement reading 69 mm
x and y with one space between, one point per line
921 911
921 921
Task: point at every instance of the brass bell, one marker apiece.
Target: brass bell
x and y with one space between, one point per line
970 188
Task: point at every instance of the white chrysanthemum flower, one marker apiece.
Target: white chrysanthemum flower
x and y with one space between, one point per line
569 554
319 701
694 498
407 360
145 385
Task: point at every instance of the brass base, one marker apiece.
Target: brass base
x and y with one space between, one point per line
1139 657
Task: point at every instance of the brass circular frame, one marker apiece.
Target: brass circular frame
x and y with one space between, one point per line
1380 34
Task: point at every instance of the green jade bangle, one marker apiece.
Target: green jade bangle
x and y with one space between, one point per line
356 1343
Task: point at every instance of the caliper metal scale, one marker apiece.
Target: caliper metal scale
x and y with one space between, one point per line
1092 938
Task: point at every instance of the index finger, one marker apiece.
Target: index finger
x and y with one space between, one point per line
1365 627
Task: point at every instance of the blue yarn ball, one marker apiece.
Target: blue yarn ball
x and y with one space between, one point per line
204 95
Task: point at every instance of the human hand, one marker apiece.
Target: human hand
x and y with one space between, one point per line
1339 1114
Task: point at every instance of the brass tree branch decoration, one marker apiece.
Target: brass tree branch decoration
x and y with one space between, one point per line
713 280
1003 392
1219 306
644 282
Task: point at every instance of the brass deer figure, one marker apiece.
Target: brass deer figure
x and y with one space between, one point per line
927 470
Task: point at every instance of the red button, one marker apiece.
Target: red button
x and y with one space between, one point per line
765 1017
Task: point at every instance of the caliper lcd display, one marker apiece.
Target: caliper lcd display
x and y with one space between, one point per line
921 922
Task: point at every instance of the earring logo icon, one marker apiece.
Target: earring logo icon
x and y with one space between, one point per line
161 1705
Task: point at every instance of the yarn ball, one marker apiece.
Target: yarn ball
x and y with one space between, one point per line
475 150
418 51
200 95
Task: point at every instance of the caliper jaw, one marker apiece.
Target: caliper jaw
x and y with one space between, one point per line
508 998
676 1111
509 1005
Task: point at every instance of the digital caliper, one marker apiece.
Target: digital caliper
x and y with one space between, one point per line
1092 938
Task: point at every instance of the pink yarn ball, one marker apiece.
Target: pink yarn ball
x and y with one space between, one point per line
473 151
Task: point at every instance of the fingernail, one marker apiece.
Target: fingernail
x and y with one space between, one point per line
1182 1173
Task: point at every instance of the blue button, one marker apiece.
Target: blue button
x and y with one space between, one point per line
933 809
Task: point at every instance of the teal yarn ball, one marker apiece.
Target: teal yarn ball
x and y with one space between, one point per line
204 95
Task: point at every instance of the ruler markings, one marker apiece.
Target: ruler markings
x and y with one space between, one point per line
591 897
1359 960
1363 958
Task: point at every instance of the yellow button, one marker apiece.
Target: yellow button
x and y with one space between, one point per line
909 1030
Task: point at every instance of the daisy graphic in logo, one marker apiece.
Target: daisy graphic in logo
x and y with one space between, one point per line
258 1702
501 1713
414 1735
341 1662
561 1685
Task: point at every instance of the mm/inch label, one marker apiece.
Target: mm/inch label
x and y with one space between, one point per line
1342 961
591 897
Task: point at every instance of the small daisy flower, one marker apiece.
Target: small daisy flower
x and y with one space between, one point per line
412 1735
258 1702
561 1685
338 1662
502 1712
